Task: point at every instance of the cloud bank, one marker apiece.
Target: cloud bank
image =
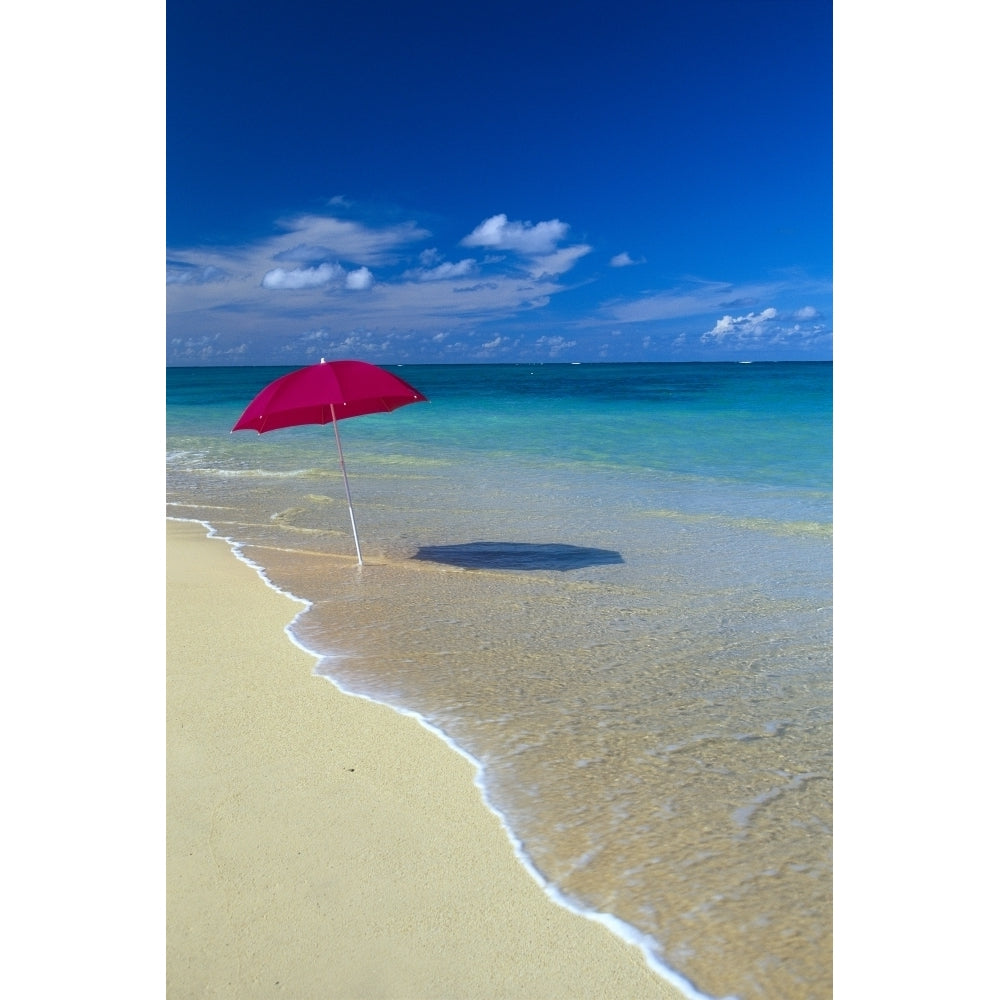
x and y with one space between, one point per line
326 285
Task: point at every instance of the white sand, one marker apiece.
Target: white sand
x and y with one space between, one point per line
322 846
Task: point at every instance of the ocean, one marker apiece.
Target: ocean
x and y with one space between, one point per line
608 584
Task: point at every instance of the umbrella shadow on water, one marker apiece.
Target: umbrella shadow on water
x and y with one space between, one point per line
517 555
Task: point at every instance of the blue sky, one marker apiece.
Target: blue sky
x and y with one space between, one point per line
519 182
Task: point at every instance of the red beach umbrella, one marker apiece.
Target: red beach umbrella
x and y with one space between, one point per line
323 394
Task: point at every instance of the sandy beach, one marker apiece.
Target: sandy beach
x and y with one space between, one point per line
322 846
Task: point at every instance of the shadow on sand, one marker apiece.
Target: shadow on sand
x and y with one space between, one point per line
517 555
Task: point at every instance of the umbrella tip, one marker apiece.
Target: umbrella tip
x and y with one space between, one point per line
322 361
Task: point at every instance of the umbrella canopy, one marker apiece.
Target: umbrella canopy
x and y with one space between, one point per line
323 394
331 390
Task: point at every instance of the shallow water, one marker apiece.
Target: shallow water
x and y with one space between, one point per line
611 585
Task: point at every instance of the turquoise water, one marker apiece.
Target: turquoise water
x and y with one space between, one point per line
608 584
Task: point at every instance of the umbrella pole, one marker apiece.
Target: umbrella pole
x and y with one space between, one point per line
347 487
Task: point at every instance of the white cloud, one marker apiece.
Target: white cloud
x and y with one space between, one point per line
557 263
304 254
347 240
443 271
554 345
520 237
538 244
182 273
205 349
623 260
700 299
302 277
359 280
807 313
750 328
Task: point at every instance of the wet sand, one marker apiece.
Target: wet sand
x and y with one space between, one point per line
322 846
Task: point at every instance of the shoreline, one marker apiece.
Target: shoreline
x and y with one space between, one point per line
321 844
